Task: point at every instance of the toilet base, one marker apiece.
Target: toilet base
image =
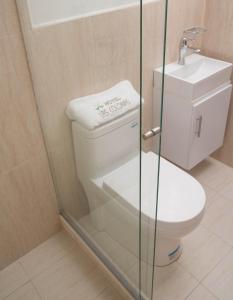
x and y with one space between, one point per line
167 251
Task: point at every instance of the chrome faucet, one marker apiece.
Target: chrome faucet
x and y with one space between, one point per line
185 50
189 35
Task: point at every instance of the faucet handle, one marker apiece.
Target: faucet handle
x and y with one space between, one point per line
194 50
193 32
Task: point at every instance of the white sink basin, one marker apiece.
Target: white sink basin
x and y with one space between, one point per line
197 77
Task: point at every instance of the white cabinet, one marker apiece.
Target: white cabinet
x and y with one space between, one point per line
196 103
192 130
209 118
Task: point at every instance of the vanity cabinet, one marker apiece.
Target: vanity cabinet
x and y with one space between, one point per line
192 128
208 125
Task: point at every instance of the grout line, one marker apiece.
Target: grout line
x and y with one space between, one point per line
201 285
211 187
192 291
85 279
70 288
25 283
46 268
109 287
220 262
9 36
211 269
217 193
102 292
218 236
23 162
193 277
210 291
49 265
23 267
37 291
188 271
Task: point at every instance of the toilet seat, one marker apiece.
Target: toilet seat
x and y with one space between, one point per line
181 197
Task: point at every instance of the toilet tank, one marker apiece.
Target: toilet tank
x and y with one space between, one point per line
99 151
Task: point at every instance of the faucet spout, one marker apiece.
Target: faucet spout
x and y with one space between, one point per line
184 48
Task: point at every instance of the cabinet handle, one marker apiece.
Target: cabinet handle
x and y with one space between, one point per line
199 126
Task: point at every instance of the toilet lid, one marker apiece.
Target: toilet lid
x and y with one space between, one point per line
181 197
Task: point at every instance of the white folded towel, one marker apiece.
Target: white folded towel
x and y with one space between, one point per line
95 110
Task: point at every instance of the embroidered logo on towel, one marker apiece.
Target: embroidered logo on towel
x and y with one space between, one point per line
112 106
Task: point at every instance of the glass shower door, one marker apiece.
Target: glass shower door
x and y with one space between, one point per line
154 31
92 68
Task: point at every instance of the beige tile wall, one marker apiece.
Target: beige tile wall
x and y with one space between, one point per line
218 43
74 59
84 56
28 213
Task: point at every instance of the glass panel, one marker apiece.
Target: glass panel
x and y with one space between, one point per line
85 65
94 92
154 23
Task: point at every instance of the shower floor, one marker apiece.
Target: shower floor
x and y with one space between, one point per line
58 269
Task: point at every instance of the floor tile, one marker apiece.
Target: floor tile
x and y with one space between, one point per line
210 195
61 271
220 280
133 275
202 251
219 219
213 173
173 283
201 293
87 225
109 294
119 220
11 278
117 253
47 253
89 288
26 292
55 282
227 191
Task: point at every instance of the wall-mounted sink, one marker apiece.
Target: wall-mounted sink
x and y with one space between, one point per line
196 103
197 77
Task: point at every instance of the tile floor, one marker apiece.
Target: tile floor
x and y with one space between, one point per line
58 269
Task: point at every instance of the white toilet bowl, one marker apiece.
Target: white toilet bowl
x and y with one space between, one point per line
181 206
181 201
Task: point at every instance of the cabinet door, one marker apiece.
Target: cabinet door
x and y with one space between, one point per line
209 119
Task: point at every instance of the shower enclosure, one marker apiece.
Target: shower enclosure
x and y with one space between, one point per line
77 49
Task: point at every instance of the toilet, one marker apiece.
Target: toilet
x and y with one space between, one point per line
107 160
181 201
